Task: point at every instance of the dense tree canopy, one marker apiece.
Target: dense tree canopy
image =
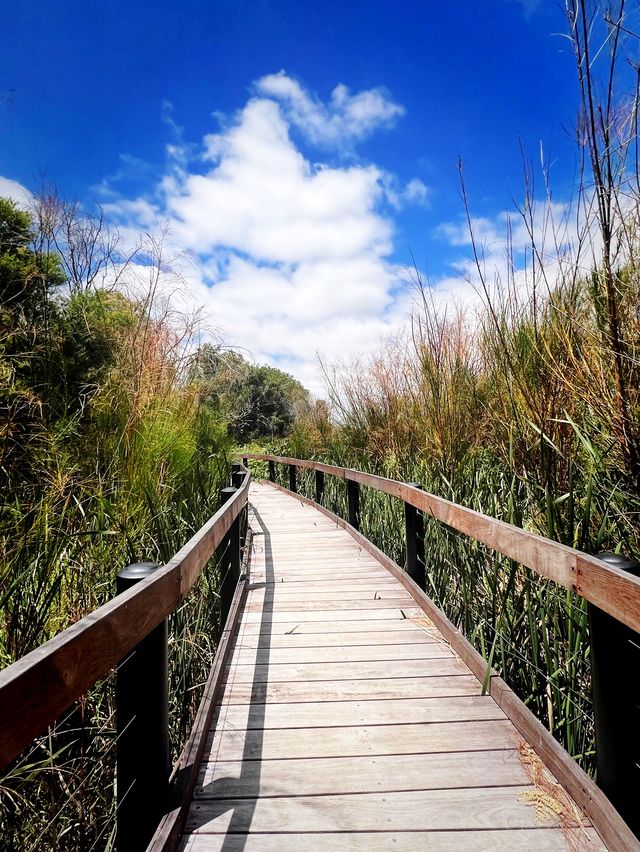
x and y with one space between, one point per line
257 401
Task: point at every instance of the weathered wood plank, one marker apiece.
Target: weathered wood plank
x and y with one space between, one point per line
259 605
351 690
507 840
395 614
383 773
352 654
366 639
435 810
447 664
280 593
324 714
328 625
363 740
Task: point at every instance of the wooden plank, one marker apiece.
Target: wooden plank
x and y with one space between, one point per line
256 604
394 614
507 840
328 625
435 810
327 714
447 664
350 690
333 654
378 638
339 584
386 773
363 740
281 593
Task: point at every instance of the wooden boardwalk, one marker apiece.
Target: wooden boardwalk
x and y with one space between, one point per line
347 722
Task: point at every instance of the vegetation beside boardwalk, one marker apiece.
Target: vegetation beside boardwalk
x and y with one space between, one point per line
116 432
527 409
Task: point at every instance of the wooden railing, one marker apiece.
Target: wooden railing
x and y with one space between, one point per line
37 689
613 596
611 589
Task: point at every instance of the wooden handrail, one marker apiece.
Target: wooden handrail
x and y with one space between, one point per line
611 589
39 687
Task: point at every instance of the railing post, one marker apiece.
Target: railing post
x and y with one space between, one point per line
272 471
414 531
353 502
292 478
237 477
245 462
236 467
142 723
615 658
319 486
229 564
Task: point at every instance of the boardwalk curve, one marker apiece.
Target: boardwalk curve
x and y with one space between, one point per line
347 721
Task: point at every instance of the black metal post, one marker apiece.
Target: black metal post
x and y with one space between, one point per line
353 502
236 467
414 531
236 478
272 471
615 660
245 462
142 723
319 485
229 563
292 478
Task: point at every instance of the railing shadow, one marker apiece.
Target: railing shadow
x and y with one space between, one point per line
248 782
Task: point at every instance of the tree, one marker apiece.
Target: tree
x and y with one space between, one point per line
258 402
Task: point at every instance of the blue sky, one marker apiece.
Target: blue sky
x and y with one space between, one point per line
300 152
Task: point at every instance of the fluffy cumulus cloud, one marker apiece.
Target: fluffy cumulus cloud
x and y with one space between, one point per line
345 117
291 255
15 191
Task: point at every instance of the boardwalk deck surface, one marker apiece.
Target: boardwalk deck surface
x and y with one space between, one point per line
347 722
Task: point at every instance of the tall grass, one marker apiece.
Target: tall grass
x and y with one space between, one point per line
526 409
118 464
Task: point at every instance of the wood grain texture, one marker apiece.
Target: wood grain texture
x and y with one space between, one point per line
382 773
434 810
509 840
321 714
352 690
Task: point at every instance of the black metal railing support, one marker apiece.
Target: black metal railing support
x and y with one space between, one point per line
272 471
615 659
142 723
319 486
414 532
293 485
353 503
229 561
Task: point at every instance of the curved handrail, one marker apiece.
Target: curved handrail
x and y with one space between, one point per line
611 589
39 687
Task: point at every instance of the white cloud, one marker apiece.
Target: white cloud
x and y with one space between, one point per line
15 191
346 117
291 256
